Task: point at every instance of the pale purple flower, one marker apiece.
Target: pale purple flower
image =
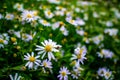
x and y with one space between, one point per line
64 72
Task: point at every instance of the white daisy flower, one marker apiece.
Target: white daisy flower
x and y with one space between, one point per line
64 31
57 25
4 38
29 16
107 74
16 77
48 14
105 53
26 37
48 48
59 13
104 72
17 33
111 32
79 55
32 60
60 8
86 40
76 72
47 64
54 1
71 21
101 71
77 9
64 72
44 22
9 16
80 22
98 39
80 32
18 6
95 15
109 24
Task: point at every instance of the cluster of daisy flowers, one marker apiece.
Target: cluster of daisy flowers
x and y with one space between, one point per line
59 40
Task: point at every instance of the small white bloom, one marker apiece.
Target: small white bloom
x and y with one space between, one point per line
26 37
80 32
98 39
47 64
18 6
64 31
48 48
105 53
79 55
54 1
32 60
17 33
107 74
101 71
29 16
77 9
9 16
16 77
59 13
48 14
71 21
80 22
109 24
104 72
76 72
4 38
87 40
111 32
95 15
64 72
57 25
44 22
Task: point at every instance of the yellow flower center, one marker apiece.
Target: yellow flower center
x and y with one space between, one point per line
101 52
45 64
61 23
44 22
13 39
63 73
73 63
1 40
81 51
29 16
101 72
60 7
31 59
18 6
8 16
24 36
107 74
48 48
79 56
71 21
49 12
